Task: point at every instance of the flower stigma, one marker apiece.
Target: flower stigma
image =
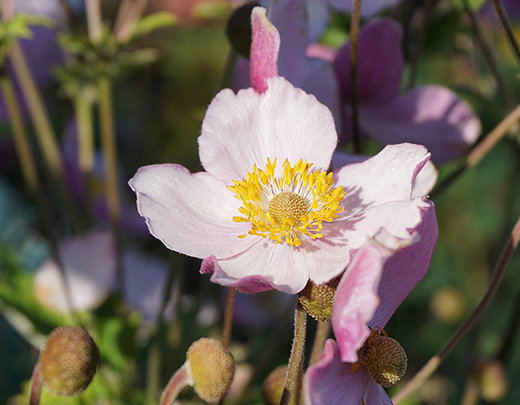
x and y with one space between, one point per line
282 209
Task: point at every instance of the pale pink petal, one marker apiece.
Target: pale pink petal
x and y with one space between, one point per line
387 176
368 7
356 298
190 213
405 269
433 116
89 265
245 129
422 185
263 266
380 63
330 382
264 50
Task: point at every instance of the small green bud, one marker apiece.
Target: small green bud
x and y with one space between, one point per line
317 300
211 367
238 28
68 361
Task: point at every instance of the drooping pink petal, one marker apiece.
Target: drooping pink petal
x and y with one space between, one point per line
357 298
380 63
422 185
433 116
330 382
190 213
264 50
387 176
244 129
405 269
368 7
89 265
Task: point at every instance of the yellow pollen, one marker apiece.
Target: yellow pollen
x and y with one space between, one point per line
287 205
285 208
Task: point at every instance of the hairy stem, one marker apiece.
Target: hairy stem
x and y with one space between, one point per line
178 381
496 277
297 352
228 317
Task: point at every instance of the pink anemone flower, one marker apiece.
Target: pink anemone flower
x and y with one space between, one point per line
266 213
431 115
382 273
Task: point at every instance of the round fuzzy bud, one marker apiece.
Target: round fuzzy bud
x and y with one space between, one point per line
317 300
272 389
211 367
68 361
386 360
238 29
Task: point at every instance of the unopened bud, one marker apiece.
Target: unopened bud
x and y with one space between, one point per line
272 389
211 367
318 300
493 380
386 360
68 361
238 29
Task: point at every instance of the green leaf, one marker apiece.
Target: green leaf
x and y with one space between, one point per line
473 4
152 22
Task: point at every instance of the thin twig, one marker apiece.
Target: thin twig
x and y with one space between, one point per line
354 34
228 317
419 43
502 15
489 57
496 277
480 150
297 352
322 333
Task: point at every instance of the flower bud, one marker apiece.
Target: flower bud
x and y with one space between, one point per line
317 300
68 361
238 29
386 360
493 380
272 389
211 367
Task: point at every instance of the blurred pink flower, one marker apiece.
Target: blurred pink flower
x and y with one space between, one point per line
431 115
382 273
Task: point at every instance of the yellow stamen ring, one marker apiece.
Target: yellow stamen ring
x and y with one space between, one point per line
285 208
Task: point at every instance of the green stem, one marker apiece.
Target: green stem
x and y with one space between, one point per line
83 110
432 365
322 333
40 118
228 317
297 351
108 143
229 68
354 34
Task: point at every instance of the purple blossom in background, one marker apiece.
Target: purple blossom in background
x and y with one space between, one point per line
368 7
382 273
431 115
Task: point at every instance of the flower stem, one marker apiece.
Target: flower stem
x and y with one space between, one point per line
83 110
229 68
297 352
178 381
354 34
480 150
489 57
502 15
94 23
419 43
36 385
322 332
129 12
228 317
40 118
109 147
436 360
